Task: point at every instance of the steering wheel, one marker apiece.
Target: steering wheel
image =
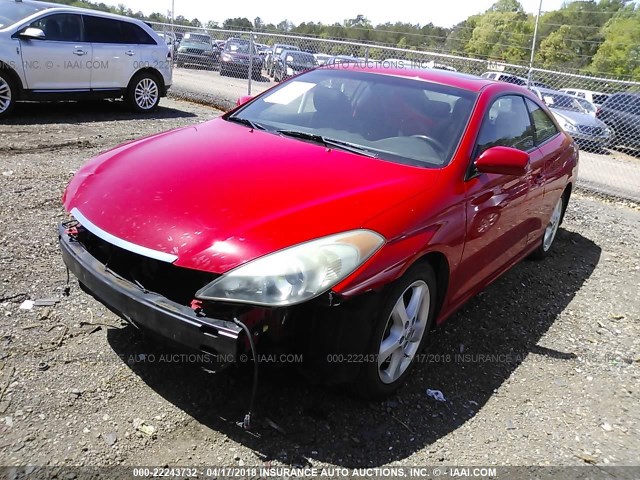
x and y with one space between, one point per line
437 146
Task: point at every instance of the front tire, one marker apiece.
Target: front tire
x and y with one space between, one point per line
143 94
8 94
399 332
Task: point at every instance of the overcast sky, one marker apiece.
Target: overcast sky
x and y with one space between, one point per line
444 13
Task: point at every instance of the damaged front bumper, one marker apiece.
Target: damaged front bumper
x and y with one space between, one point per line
149 310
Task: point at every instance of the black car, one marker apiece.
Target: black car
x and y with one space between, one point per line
197 49
238 57
292 62
621 112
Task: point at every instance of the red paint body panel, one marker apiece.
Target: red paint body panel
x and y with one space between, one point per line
220 194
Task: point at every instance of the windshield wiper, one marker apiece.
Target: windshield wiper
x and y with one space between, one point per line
246 121
329 142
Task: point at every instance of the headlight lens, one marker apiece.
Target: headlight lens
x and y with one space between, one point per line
226 57
570 127
182 49
295 274
289 71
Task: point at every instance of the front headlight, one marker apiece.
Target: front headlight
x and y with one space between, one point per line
607 132
289 71
226 58
182 49
295 274
569 127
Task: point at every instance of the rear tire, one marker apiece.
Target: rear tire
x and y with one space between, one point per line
399 332
549 236
143 94
8 94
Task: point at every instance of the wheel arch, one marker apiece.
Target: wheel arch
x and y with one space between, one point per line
13 76
440 264
566 194
152 71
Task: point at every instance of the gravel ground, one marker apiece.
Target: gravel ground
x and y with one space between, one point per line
540 369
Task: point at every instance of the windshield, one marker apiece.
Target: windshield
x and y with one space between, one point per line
13 12
197 38
561 101
239 47
300 58
392 118
586 105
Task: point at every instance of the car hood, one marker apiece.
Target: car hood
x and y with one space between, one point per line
220 194
577 118
198 46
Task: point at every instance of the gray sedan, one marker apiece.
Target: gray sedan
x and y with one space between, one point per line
585 129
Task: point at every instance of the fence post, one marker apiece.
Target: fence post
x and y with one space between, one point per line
250 73
366 56
533 45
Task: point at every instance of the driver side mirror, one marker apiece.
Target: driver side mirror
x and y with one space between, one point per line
504 161
32 34
242 100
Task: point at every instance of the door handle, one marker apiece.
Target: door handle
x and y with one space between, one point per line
131 53
79 52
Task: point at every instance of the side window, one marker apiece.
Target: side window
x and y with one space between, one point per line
61 27
132 33
103 30
581 95
506 124
544 126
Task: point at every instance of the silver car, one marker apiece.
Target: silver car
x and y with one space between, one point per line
585 129
59 52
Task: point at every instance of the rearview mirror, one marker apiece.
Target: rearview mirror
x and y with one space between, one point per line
503 160
32 34
242 100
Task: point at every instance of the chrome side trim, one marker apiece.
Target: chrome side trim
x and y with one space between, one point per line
118 242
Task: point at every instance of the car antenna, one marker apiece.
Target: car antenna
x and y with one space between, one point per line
246 423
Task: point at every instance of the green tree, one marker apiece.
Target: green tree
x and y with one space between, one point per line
619 53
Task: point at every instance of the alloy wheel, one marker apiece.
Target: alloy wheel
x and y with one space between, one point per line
5 95
146 94
552 228
404 331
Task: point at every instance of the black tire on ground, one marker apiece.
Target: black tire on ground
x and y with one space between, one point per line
377 378
8 93
143 93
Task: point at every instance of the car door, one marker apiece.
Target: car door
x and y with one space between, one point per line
114 58
498 215
61 60
548 173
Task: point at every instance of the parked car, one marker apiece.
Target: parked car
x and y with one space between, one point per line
237 57
51 52
306 220
514 79
198 49
621 111
597 98
276 50
292 62
585 129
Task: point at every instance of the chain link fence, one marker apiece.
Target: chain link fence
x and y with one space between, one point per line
217 67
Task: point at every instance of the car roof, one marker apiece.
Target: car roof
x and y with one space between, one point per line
86 11
465 81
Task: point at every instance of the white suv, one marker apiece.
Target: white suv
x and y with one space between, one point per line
50 51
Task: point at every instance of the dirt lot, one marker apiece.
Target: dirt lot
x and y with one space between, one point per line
541 369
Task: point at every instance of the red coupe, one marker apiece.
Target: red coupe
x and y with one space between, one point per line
339 215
